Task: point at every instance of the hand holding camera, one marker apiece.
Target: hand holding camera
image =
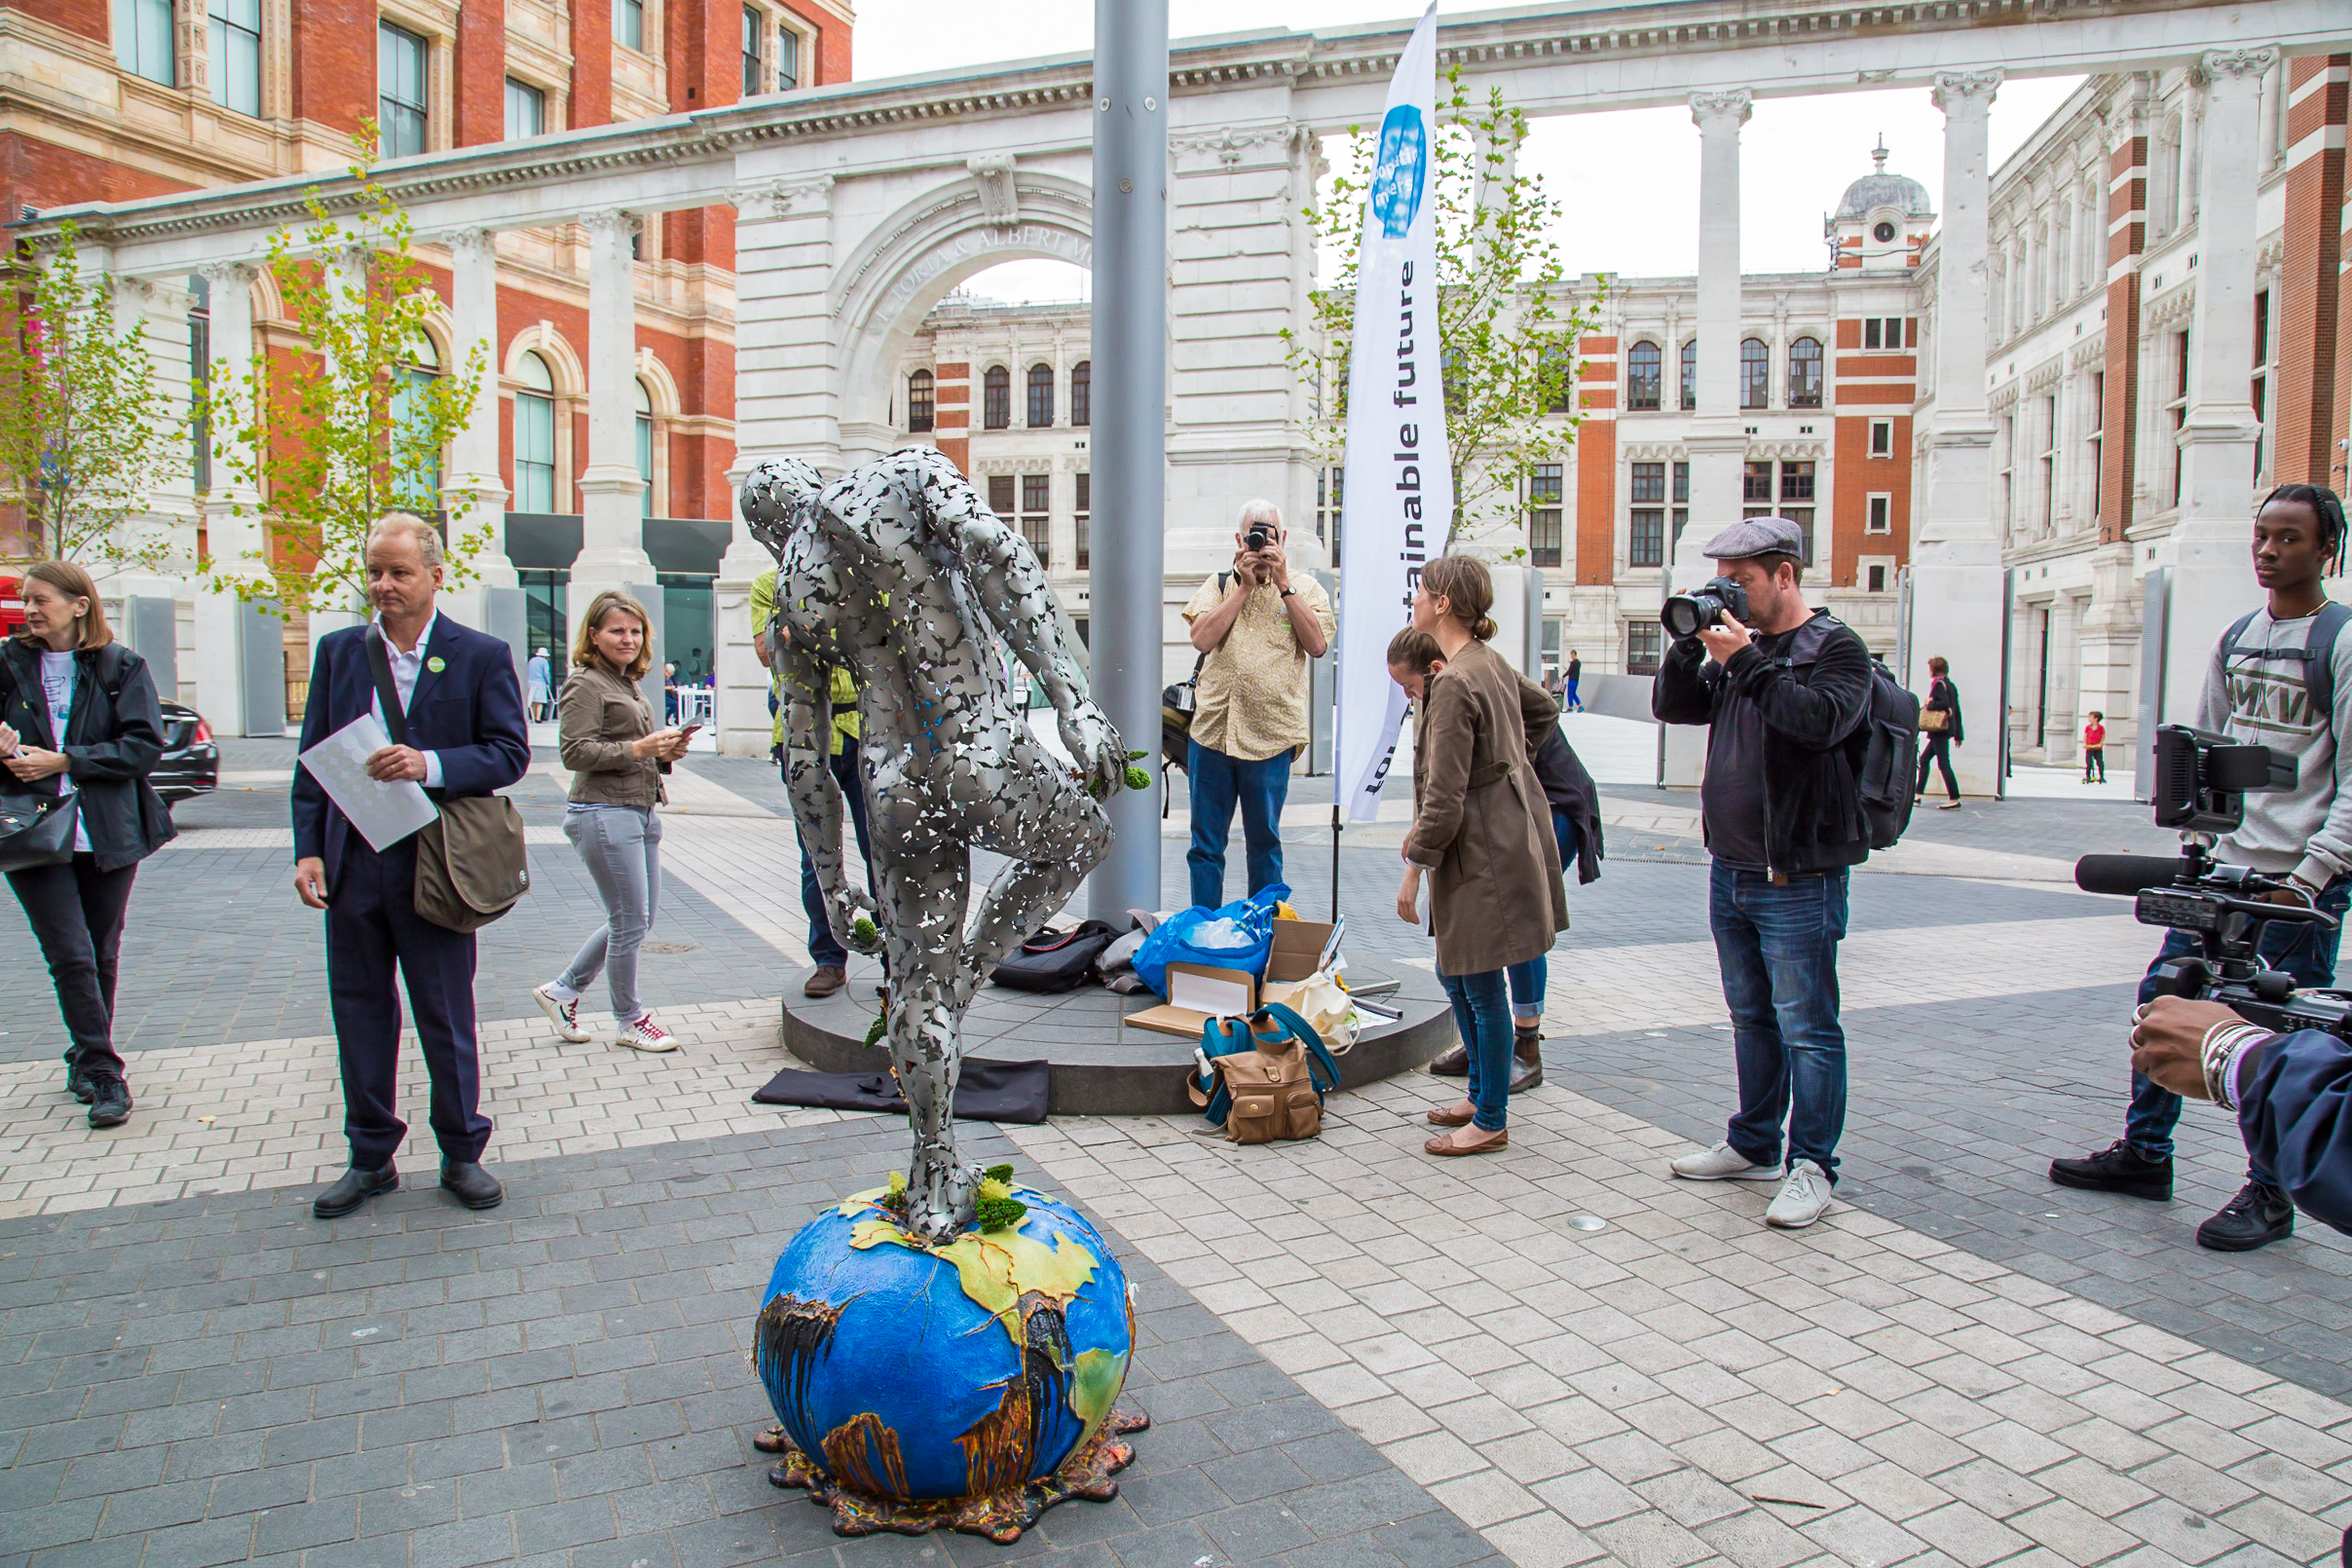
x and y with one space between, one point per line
1261 558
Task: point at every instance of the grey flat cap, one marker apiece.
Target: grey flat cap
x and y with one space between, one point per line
1757 536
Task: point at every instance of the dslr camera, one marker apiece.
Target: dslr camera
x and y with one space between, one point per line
2201 785
1257 539
1687 614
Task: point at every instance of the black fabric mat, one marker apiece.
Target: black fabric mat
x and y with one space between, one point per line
987 1091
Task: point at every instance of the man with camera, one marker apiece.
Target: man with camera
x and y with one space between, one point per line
2279 678
1256 630
1781 688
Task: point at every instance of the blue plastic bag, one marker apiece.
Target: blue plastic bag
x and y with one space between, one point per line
1172 941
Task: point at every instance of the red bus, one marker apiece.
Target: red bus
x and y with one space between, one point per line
12 606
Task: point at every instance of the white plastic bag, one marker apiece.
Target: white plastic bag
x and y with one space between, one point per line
1328 1009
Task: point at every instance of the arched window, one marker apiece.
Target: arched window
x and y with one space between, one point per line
922 394
645 444
1690 374
1755 373
996 398
1082 392
1804 373
418 464
533 436
1645 368
1041 396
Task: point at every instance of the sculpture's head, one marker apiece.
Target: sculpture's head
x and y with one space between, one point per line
779 496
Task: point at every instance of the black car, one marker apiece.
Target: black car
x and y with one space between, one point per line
191 762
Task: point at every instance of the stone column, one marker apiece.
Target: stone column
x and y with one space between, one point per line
1956 571
2210 587
473 453
611 549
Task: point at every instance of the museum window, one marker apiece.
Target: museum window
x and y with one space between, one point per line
922 400
755 47
1682 504
1329 484
1645 540
1642 638
418 484
2098 440
1544 494
2048 461
645 446
1796 481
401 104
787 59
200 381
2259 389
142 40
1877 516
996 398
1755 373
1690 375
1644 370
1085 521
1041 396
233 40
1556 362
1882 332
1001 497
628 25
1881 437
1649 482
1082 392
533 436
1756 483
526 110
1878 579
1037 515
1804 373
2176 409
2008 472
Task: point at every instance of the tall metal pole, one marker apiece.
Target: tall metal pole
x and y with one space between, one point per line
1129 430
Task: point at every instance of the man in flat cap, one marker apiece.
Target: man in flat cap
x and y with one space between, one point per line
1781 688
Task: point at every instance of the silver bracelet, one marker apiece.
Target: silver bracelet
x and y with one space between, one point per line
2220 1051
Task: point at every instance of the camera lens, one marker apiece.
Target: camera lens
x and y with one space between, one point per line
1257 540
1682 617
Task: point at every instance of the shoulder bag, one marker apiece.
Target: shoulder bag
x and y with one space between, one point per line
471 864
35 830
1264 1081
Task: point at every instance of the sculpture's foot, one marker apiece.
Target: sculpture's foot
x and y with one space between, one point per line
1090 1473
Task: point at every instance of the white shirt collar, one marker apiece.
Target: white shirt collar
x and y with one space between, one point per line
424 638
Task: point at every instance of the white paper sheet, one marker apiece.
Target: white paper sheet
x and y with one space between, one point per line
384 813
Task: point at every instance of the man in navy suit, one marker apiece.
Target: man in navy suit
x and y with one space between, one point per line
465 736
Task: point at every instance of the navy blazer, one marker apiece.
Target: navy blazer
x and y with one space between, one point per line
2295 1109
470 712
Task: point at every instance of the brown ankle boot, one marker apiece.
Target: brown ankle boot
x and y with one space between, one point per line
1454 1064
1526 1061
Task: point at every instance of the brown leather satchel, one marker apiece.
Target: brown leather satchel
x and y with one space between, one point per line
1265 1079
471 865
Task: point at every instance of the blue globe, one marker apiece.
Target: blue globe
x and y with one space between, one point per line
919 1374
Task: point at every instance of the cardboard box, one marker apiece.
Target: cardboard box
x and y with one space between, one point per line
1300 948
1197 993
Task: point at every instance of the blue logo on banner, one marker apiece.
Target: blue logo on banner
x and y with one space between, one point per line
1401 172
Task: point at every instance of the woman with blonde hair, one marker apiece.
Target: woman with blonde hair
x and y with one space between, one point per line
606 737
1482 834
81 728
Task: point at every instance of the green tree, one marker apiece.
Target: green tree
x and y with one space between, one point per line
1507 351
331 444
87 436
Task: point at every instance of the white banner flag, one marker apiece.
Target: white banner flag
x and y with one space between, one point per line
1399 494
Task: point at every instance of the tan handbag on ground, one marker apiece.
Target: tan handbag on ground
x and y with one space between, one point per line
1264 1080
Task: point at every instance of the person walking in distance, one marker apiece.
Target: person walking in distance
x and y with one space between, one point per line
1570 702
1255 629
465 736
1940 725
2094 749
539 685
2280 676
1783 816
616 757
1482 834
81 725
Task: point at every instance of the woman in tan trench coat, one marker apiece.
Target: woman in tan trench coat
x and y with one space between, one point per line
1482 834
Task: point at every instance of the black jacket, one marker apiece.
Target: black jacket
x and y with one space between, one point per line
112 743
1813 808
1569 788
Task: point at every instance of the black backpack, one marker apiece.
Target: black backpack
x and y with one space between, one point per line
1883 749
1055 960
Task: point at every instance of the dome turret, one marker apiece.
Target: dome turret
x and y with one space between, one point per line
1879 189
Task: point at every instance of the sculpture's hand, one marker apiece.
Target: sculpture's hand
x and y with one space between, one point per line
1095 746
846 908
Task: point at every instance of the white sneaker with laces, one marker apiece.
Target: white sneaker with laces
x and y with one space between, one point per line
565 1015
1803 1197
646 1035
1724 1162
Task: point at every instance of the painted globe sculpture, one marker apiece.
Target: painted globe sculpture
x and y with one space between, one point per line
968 1384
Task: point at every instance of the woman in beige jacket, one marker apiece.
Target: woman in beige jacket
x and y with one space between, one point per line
616 757
1482 834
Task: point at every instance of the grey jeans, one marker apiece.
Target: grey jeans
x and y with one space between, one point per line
621 846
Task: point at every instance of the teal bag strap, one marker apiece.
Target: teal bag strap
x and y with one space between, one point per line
1322 1070
1220 1037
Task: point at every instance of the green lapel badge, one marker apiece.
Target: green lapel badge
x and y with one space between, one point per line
437 665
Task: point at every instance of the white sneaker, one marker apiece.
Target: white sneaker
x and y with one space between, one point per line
646 1036
1724 1162
1803 1197
565 1015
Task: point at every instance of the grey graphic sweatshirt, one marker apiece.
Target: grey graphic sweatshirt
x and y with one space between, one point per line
2308 829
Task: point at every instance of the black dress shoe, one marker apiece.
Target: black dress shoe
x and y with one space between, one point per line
2117 1167
470 1184
110 1099
1526 1061
354 1188
1454 1064
2257 1216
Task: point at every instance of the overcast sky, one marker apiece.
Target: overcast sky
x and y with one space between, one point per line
1628 182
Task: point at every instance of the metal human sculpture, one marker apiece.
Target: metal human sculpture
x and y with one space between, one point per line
899 571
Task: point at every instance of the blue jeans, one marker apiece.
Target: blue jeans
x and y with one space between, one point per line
1483 1016
1527 978
1568 702
1777 946
2305 952
1219 783
622 847
823 951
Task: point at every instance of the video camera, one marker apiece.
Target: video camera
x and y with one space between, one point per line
2201 785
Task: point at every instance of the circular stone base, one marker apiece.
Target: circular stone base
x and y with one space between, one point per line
1102 1067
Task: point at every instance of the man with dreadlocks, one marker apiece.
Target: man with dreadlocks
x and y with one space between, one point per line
2281 676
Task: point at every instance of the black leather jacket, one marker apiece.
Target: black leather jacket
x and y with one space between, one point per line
111 744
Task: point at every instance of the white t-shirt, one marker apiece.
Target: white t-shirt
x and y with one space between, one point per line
56 682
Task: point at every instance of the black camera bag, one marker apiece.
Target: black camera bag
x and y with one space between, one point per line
1055 960
1883 749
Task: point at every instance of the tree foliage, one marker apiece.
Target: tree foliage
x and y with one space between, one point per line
87 436
1509 352
318 446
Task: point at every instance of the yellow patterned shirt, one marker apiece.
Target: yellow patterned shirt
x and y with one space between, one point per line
1253 684
844 688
